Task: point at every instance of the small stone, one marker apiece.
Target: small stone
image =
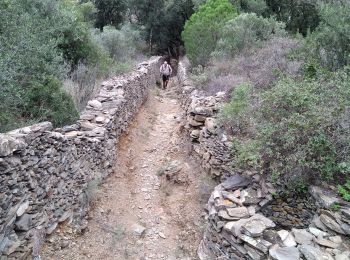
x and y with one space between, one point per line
22 208
287 238
100 119
138 230
162 235
195 134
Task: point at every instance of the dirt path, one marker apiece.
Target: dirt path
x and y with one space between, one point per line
151 208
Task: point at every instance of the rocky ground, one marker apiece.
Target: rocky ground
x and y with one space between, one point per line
152 207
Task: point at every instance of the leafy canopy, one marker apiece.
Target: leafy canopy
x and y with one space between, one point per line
202 30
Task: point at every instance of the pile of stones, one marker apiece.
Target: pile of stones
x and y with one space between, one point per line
210 141
46 173
239 230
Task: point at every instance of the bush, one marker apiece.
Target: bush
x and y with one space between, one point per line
302 128
260 68
47 101
246 32
201 31
121 45
236 112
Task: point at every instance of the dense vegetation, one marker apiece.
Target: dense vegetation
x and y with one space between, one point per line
285 65
54 53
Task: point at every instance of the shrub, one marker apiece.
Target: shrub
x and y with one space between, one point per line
301 128
47 101
121 45
201 31
344 190
236 112
246 32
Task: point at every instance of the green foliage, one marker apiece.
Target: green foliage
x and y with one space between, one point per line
47 101
161 22
247 31
121 45
330 43
237 111
300 16
110 12
298 129
253 6
202 30
335 207
344 190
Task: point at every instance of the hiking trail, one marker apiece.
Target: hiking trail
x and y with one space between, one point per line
152 206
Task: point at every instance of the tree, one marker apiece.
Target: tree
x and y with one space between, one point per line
110 12
299 15
202 30
331 40
161 21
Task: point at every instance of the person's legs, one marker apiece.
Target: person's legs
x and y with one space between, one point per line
164 81
167 81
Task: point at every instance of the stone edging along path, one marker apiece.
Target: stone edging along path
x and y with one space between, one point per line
237 227
46 172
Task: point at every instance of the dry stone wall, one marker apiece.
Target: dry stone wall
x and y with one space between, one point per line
244 220
47 175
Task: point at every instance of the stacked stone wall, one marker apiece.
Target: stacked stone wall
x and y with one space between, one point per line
47 175
244 220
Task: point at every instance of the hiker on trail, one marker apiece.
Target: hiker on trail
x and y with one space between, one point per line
165 71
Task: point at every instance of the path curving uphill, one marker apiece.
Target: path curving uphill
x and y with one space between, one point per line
151 207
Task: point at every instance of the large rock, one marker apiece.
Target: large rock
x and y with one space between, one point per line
238 213
24 223
313 253
255 227
331 223
87 126
10 244
8 145
317 232
284 253
302 236
211 125
323 198
287 238
326 243
234 182
257 243
95 104
235 227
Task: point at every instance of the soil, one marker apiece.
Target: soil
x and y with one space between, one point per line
157 185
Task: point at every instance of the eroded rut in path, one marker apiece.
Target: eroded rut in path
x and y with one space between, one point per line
151 208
